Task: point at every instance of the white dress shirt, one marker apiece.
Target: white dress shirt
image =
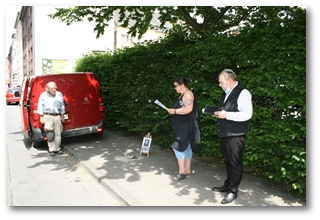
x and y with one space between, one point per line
244 106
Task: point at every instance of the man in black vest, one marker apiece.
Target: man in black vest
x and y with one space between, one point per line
232 127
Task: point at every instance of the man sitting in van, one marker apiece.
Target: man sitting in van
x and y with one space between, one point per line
51 109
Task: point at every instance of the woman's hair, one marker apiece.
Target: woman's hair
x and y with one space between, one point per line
183 80
228 73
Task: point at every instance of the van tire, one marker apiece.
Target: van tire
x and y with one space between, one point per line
37 144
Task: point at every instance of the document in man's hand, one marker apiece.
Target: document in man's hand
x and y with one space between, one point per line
210 110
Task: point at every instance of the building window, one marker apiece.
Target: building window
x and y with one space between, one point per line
125 38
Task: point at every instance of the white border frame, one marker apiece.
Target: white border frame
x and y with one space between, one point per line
146 143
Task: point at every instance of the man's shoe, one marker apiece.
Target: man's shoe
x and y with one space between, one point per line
229 198
220 189
52 154
58 152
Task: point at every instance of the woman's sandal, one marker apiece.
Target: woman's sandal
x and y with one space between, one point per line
178 172
180 176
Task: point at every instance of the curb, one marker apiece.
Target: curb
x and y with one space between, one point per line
123 197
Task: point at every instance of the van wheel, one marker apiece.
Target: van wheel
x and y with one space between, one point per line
37 144
97 135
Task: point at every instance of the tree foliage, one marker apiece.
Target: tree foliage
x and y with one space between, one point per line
189 20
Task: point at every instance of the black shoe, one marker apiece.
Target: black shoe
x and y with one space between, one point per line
220 189
52 154
229 198
58 152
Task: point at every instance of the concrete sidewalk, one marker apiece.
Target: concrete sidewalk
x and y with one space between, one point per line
137 180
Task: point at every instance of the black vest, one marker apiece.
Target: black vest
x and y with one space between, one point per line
227 127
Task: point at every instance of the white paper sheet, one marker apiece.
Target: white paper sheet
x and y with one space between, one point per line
160 104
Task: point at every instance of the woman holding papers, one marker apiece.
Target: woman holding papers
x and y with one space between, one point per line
186 127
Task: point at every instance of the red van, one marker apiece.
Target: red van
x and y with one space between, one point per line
83 105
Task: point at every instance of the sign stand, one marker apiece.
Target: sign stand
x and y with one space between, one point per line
146 143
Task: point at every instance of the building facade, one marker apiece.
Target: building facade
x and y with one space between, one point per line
42 45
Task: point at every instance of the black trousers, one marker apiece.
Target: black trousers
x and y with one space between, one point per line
232 149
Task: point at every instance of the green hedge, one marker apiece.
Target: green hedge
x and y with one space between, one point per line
270 60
